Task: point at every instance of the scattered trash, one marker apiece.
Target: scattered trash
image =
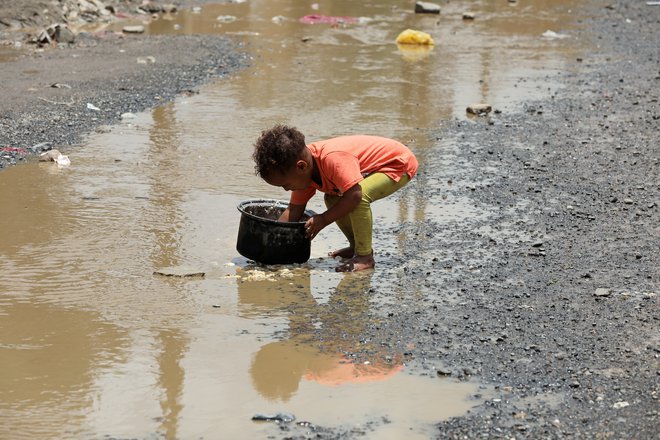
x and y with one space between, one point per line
479 109
15 150
411 36
427 8
92 107
55 156
327 19
137 29
58 33
551 35
180 272
278 418
225 18
146 60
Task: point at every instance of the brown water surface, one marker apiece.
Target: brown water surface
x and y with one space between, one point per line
93 344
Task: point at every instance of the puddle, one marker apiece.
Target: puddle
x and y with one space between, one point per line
94 344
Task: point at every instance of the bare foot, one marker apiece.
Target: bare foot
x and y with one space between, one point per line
346 252
357 263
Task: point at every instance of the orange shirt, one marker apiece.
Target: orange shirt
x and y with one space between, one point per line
346 160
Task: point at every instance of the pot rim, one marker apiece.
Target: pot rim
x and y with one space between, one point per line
273 202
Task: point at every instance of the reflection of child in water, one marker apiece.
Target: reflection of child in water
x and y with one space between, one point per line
278 366
352 171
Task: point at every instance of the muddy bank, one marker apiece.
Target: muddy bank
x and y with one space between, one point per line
549 295
53 96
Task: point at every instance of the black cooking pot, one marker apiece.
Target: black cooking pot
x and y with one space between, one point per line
263 239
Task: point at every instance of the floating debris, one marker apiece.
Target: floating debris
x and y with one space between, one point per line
411 36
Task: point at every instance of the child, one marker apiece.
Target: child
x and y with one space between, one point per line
352 171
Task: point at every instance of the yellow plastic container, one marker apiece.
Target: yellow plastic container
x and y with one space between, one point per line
411 36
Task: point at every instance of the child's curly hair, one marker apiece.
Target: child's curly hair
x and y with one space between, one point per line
277 149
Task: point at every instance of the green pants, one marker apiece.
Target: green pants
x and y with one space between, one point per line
357 226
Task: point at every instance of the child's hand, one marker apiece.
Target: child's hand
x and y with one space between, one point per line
314 225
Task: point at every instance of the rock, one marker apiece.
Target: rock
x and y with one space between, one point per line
63 34
602 292
537 244
180 271
628 201
443 372
279 417
169 8
619 405
427 8
150 7
468 15
137 29
128 116
479 109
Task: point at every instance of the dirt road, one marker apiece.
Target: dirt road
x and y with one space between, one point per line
550 296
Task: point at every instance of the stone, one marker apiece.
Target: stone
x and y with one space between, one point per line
468 16
427 8
602 292
619 405
169 8
279 417
479 109
443 372
137 29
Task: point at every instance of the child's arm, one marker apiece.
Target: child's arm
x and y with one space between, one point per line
346 204
292 213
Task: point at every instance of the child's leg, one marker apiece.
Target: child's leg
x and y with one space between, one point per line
374 187
344 224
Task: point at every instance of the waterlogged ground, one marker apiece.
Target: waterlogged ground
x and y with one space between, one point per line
94 344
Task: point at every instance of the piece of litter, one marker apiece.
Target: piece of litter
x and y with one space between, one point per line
180 272
619 405
146 60
63 160
411 36
92 107
551 35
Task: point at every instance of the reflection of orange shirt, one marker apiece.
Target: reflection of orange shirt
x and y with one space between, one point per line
346 160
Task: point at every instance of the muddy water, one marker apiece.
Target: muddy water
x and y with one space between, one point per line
93 344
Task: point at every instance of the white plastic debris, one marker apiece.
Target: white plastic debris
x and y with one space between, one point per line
552 35
63 160
55 156
92 107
